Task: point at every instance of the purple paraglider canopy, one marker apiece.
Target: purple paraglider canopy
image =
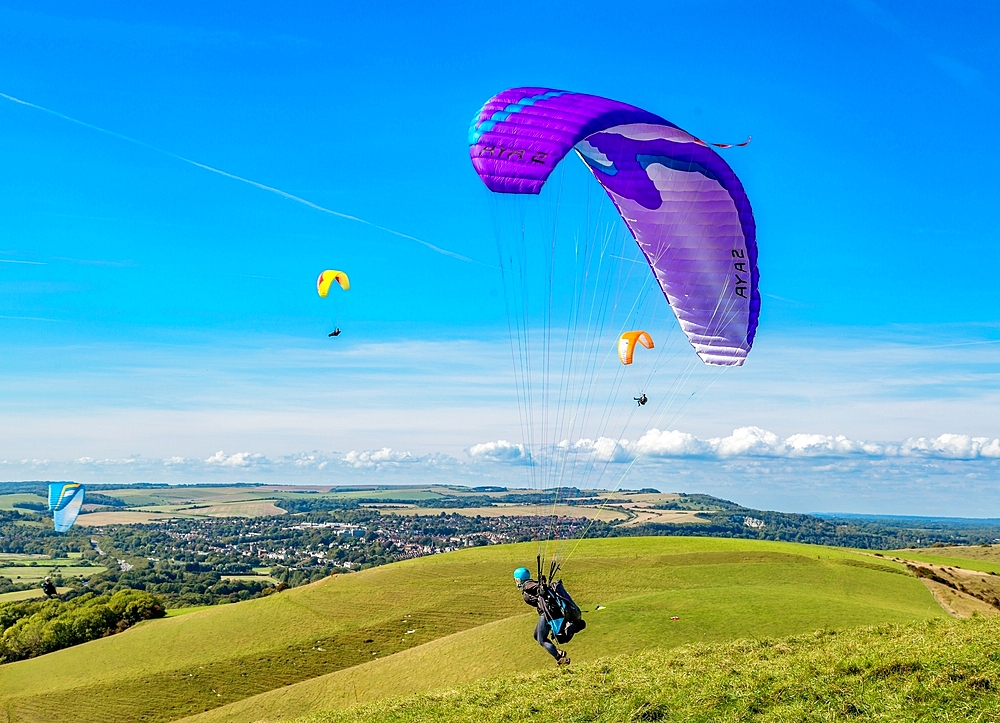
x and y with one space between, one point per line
682 202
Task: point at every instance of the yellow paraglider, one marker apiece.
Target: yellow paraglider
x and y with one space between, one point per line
328 277
626 344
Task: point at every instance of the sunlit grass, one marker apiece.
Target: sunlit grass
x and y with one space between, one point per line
934 670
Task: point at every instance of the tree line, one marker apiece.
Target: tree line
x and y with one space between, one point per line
30 628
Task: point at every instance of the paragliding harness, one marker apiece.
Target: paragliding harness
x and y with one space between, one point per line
49 588
562 614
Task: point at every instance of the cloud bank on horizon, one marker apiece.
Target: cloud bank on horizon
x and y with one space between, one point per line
757 442
753 466
484 458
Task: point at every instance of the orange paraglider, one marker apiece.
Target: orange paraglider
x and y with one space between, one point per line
627 341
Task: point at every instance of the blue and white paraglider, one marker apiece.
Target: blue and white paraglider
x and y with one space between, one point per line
65 502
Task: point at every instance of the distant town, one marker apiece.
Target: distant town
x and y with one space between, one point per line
209 544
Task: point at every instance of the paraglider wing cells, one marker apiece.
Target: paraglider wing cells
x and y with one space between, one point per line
682 202
692 221
327 278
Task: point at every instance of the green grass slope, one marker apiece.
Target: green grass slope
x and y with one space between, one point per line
721 589
934 670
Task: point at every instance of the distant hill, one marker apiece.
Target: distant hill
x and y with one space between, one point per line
723 518
609 513
447 619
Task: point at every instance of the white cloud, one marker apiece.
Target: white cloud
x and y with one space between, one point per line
602 449
952 446
758 442
312 460
822 445
377 457
671 444
109 462
386 457
242 460
27 463
755 442
748 441
499 451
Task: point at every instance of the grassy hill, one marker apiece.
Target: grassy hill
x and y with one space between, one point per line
985 558
348 639
934 670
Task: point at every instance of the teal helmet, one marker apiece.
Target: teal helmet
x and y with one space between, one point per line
522 575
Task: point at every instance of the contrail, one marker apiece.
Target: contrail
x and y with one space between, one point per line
261 186
961 343
30 318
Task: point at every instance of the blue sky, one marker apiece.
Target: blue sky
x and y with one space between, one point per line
152 311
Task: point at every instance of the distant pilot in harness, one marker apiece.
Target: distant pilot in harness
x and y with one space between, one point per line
335 332
641 399
558 615
49 588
